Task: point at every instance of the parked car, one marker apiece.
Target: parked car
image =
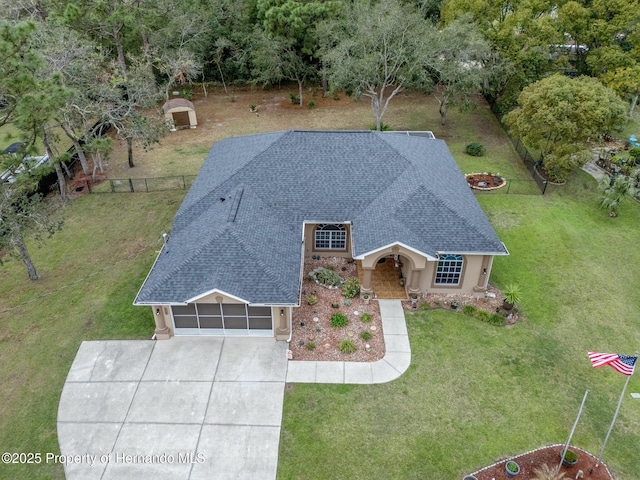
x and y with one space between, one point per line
28 163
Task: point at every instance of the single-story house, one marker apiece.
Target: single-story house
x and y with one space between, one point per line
233 262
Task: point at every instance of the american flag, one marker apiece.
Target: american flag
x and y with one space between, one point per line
624 364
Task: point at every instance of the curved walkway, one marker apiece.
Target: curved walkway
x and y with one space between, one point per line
395 362
195 407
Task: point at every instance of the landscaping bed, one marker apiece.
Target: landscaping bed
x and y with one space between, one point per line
318 340
550 455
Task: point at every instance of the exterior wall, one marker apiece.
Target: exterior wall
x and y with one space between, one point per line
309 242
281 322
218 298
164 325
474 279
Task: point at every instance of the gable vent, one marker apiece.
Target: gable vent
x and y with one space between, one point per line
235 205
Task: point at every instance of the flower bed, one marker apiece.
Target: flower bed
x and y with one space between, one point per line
485 181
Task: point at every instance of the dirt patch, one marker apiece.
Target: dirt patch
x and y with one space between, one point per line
529 462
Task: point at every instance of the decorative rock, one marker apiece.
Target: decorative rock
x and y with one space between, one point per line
367 347
350 333
316 319
374 328
327 345
356 313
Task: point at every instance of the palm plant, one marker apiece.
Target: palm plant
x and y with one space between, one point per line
613 192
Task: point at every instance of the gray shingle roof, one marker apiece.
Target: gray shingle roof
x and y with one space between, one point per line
239 229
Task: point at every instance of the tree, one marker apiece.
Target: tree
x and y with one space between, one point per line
31 94
21 210
129 104
625 81
558 115
377 50
276 59
459 66
522 36
286 46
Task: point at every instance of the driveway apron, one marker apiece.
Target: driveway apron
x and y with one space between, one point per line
189 408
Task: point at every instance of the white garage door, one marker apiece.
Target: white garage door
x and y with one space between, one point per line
222 319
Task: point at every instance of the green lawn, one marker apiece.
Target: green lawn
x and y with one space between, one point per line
90 272
473 393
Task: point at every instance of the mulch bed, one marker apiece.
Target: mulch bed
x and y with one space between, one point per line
550 455
485 181
325 338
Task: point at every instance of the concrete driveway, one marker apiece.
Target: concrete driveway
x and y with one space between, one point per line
195 407
190 408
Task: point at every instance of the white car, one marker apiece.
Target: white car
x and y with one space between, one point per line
28 164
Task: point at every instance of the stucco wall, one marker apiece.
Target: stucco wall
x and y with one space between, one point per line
309 243
472 276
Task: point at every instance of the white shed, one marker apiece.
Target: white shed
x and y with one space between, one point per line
180 113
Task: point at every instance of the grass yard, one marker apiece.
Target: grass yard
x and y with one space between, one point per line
473 393
89 272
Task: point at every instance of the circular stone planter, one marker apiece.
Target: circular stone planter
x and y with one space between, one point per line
485 181
469 477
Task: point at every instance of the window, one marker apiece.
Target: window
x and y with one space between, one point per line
449 270
330 236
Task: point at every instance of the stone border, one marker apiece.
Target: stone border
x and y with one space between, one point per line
535 450
485 189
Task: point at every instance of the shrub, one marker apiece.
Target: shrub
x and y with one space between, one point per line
634 153
339 320
295 99
351 287
312 300
311 105
328 277
475 149
347 346
383 127
497 319
469 310
512 293
366 335
187 93
366 317
483 315
311 346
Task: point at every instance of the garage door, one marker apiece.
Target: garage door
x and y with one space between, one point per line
222 319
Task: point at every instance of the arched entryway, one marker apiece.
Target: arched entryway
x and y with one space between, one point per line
387 278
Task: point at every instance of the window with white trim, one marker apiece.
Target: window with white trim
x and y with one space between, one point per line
449 270
331 236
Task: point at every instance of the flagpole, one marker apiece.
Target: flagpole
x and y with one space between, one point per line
615 415
575 424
